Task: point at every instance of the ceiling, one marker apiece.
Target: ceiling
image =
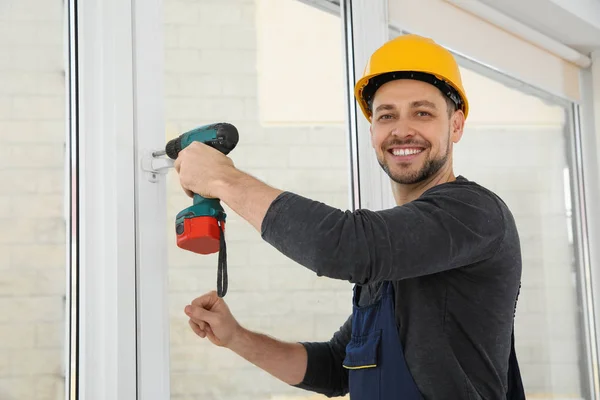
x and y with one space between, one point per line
575 23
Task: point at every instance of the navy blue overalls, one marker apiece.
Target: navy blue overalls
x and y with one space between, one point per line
375 357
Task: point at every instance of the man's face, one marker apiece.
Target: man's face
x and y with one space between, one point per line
411 131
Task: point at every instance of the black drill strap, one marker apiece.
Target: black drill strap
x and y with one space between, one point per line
222 266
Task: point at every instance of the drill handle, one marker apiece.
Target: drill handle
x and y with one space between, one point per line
209 207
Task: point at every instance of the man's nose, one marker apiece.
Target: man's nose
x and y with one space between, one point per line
402 129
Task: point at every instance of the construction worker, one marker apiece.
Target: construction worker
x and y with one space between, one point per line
436 277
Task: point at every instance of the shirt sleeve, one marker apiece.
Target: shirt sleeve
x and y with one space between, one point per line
443 229
324 372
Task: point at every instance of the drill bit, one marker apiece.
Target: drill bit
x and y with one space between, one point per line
159 153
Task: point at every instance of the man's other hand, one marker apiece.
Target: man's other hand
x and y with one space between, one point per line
210 317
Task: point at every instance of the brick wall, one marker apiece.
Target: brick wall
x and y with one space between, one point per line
32 251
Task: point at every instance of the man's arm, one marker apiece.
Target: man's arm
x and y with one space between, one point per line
325 373
448 227
249 197
312 366
208 172
285 361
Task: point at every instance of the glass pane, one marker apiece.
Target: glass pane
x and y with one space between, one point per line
517 145
32 222
274 69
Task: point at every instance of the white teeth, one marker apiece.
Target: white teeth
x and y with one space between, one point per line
406 152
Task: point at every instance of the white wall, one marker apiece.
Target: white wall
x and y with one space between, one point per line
32 251
296 60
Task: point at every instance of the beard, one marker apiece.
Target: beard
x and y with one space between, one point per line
407 176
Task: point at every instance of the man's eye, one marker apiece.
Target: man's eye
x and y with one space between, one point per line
385 116
423 114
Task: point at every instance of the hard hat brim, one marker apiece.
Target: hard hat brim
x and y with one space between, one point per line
367 86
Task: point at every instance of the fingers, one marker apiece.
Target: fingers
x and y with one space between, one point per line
211 335
196 322
177 165
189 311
201 316
197 330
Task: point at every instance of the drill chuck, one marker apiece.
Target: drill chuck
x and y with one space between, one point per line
173 148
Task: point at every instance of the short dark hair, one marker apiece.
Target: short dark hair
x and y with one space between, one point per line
450 105
450 94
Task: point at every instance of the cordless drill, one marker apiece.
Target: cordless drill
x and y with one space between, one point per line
200 227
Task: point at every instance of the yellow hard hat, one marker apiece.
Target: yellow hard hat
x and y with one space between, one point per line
411 57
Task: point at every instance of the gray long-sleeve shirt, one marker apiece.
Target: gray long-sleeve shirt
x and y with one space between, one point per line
454 258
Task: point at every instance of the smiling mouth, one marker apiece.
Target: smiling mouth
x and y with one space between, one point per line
410 151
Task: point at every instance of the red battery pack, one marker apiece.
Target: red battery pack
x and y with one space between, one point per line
199 235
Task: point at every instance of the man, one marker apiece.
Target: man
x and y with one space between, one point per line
436 278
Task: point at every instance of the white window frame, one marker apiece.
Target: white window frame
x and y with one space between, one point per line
587 113
118 297
117 301
365 30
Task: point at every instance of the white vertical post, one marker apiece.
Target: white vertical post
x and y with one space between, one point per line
590 251
594 215
151 217
107 286
120 262
365 30
71 202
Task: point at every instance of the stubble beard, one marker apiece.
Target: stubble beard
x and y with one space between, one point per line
408 177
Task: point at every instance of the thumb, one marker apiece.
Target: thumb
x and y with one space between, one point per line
207 301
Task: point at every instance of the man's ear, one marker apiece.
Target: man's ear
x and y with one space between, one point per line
457 125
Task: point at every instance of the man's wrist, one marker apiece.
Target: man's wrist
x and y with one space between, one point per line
227 182
239 340
247 196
